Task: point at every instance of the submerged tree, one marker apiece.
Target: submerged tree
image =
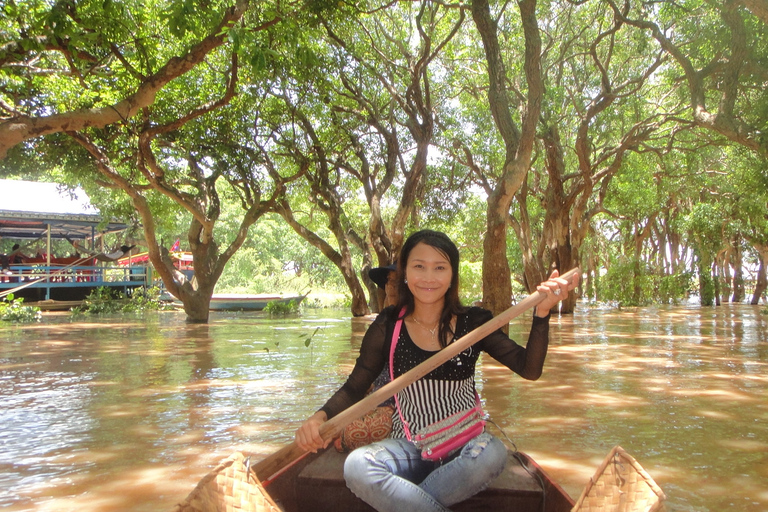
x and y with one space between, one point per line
359 123
146 113
516 117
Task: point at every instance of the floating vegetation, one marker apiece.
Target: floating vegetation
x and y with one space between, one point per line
279 308
14 310
108 300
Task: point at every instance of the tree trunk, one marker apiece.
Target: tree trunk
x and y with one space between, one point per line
596 276
737 261
762 279
359 304
726 279
589 280
518 142
530 246
342 261
706 284
716 283
557 221
197 305
565 261
208 267
498 296
375 301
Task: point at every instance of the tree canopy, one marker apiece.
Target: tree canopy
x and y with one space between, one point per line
628 138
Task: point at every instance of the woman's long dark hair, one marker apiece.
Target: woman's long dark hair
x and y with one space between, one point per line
452 305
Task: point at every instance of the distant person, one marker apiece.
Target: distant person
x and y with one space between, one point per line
17 257
386 279
100 256
116 255
5 263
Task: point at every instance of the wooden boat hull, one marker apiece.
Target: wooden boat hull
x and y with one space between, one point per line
257 302
316 484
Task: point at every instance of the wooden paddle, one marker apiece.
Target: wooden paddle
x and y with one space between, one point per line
272 465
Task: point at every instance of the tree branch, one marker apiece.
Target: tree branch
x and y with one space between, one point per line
19 129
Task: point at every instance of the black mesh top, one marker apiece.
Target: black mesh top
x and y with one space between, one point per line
374 353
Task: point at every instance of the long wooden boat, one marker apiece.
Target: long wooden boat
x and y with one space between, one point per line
249 302
315 483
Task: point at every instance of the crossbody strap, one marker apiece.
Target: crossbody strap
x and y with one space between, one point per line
395 337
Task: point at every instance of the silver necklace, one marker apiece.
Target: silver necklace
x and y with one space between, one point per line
431 331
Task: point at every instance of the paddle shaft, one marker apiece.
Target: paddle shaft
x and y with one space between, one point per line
269 467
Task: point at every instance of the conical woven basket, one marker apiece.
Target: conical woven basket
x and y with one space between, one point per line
230 487
620 485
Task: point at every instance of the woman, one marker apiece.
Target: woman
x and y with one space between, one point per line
391 475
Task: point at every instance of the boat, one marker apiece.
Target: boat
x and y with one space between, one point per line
291 480
249 302
621 483
315 483
183 262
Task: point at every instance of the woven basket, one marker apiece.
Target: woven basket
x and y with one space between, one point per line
620 485
230 487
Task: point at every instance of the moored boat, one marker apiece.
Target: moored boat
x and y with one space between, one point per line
249 302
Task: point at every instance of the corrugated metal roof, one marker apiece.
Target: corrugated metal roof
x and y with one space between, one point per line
28 207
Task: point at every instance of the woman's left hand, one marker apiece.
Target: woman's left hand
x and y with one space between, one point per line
556 289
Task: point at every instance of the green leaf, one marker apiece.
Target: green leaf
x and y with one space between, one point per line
258 60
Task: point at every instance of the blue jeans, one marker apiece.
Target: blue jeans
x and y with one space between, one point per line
390 475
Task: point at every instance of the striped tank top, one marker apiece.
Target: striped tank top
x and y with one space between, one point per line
446 390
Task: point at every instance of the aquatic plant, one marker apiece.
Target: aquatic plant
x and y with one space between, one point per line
144 299
108 300
309 337
275 308
99 301
14 310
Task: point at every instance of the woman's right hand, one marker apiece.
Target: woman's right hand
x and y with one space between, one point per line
308 435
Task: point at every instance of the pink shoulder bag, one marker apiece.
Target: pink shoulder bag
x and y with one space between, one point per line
442 438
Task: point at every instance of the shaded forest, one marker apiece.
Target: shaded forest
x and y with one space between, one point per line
625 138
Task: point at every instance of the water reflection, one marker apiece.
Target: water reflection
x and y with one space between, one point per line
116 414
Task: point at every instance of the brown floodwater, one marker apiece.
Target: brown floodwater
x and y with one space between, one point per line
109 414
